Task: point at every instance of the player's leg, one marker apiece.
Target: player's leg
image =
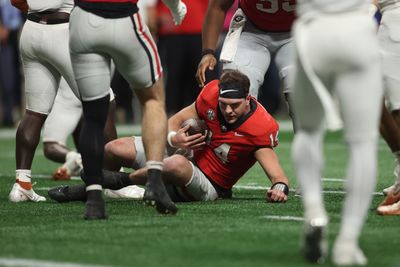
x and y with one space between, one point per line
361 121
390 131
137 60
92 74
390 52
40 81
252 57
122 152
60 124
308 158
284 63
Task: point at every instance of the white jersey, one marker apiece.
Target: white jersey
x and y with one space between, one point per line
385 5
330 6
50 5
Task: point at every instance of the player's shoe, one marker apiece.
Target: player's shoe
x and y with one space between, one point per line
347 253
72 167
131 192
315 244
396 173
19 194
155 194
65 193
393 209
392 197
95 206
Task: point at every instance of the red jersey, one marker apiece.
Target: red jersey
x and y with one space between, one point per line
270 15
192 24
229 152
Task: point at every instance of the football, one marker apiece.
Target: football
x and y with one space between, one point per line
196 126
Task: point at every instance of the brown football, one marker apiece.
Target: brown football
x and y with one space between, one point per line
196 126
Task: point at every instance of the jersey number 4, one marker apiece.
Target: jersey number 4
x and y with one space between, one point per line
272 6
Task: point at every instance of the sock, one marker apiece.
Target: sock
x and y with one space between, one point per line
308 159
397 168
23 178
154 169
360 184
116 180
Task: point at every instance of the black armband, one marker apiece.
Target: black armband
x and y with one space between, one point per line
208 51
281 187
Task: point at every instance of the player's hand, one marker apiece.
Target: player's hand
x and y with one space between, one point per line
207 62
179 12
183 140
277 193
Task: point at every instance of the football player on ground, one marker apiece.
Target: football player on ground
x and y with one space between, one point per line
388 33
259 33
343 61
240 133
45 58
105 30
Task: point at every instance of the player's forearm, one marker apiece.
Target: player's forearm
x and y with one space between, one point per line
174 123
213 22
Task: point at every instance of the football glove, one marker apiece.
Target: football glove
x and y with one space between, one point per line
178 10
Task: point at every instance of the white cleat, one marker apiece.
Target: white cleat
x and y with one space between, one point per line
131 192
19 194
347 253
72 167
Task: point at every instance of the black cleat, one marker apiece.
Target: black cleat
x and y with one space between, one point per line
65 193
95 206
315 246
156 195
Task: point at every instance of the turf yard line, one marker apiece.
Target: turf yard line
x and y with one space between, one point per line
39 263
259 187
283 218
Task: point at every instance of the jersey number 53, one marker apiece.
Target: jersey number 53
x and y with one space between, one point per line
273 6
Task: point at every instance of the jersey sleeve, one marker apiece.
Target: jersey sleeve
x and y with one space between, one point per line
207 98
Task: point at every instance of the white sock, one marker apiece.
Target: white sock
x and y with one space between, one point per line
23 175
308 159
360 184
397 168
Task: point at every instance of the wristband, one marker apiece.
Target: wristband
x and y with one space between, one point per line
169 138
208 51
281 187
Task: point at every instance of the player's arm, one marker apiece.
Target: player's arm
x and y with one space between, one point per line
22 5
178 10
177 136
270 163
212 26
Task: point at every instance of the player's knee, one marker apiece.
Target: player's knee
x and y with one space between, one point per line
110 149
174 164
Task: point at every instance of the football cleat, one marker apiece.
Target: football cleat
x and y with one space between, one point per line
65 193
156 195
19 194
72 167
315 244
387 210
392 197
347 253
131 192
95 206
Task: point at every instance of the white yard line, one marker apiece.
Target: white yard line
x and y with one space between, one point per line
41 263
258 187
283 218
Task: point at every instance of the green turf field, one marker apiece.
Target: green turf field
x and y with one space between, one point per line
238 232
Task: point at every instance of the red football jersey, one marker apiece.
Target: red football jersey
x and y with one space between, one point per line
229 152
270 15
